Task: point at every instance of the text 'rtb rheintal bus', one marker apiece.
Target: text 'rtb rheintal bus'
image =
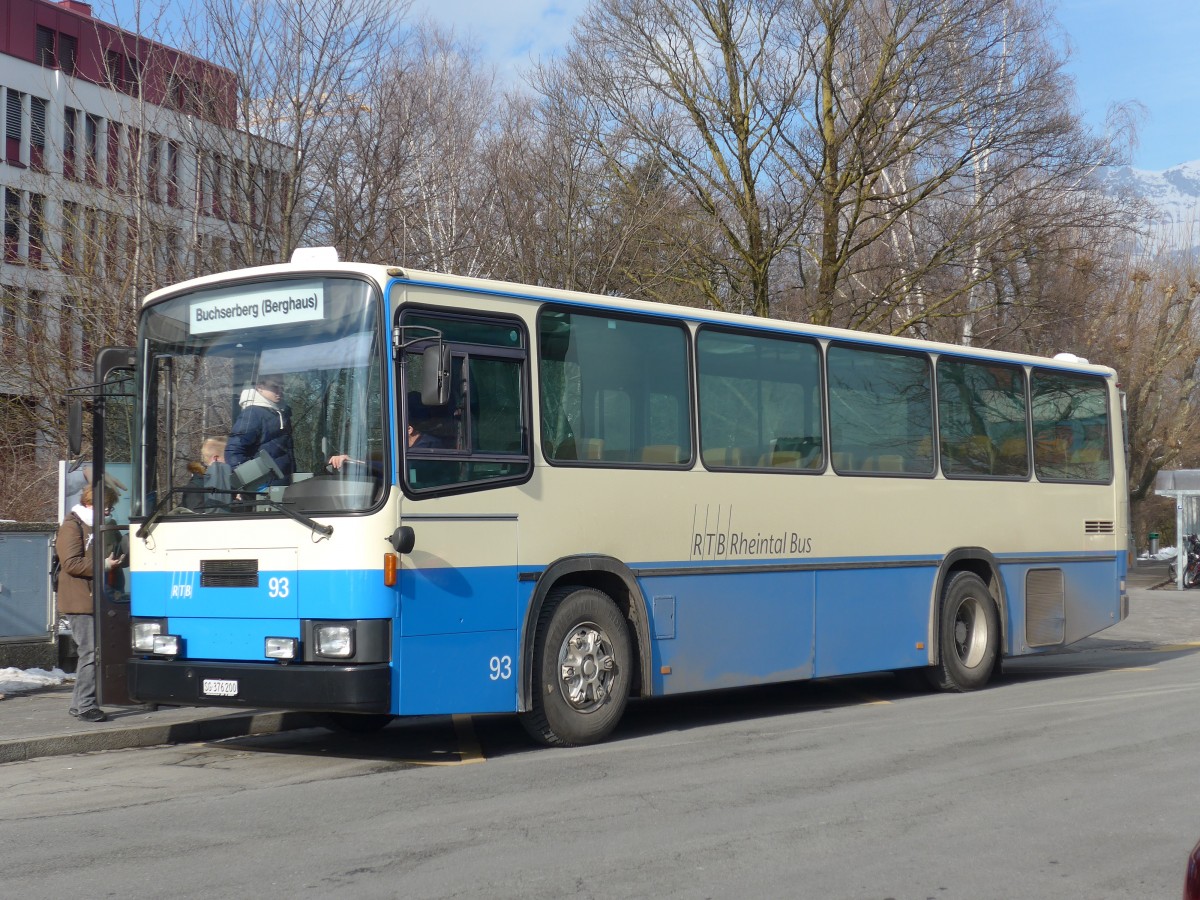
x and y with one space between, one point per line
543 502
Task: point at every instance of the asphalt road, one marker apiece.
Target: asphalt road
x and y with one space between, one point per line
1074 776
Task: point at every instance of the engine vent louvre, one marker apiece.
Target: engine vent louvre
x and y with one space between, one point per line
1045 607
229 573
1098 526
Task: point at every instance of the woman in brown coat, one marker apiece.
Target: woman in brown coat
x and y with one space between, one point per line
74 547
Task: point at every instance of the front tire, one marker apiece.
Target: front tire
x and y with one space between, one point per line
582 668
968 633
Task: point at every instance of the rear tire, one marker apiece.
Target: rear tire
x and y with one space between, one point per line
968 635
582 668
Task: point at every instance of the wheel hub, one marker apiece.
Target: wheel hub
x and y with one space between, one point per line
587 667
970 633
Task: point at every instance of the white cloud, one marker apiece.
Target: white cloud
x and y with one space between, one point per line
510 34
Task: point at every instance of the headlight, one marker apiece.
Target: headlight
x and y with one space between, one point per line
280 648
335 641
143 632
166 645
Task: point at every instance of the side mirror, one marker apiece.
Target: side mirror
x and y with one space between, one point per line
403 539
435 375
75 427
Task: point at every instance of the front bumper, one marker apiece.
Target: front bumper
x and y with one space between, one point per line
312 688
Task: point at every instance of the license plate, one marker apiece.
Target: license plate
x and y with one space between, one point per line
219 687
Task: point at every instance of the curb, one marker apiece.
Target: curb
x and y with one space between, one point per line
218 728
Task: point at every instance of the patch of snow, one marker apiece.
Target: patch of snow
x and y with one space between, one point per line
17 681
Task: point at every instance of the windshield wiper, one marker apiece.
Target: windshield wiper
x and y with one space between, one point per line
159 509
323 530
156 514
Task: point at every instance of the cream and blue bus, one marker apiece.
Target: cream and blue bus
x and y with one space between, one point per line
547 502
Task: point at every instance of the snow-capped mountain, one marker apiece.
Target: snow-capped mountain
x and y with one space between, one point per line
1173 194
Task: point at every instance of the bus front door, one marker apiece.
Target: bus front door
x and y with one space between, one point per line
112 446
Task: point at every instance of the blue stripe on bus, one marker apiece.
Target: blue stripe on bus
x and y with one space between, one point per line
456 639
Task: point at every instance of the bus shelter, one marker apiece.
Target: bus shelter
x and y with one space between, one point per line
1184 486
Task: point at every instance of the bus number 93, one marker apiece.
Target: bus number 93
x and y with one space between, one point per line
500 667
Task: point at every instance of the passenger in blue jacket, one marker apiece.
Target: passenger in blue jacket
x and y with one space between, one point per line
265 423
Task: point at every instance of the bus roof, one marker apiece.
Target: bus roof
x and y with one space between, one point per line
484 286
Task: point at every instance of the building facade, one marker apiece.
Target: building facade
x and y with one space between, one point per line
120 170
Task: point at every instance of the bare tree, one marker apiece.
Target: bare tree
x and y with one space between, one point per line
705 89
941 145
1137 311
409 185
303 71
567 216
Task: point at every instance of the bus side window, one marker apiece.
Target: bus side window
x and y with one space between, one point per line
1071 427
760 404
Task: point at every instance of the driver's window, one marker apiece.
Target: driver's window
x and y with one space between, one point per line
479 438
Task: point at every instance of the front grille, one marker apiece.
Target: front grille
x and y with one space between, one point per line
229 573
1098 526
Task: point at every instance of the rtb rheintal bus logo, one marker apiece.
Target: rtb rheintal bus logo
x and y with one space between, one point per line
716 536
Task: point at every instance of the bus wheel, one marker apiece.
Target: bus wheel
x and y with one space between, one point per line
582 667
357 723
969 635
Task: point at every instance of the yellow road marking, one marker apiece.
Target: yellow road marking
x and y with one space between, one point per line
468 751
866 699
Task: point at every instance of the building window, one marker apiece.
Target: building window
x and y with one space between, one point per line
218 192
12 226
12 126
37 133
66 330
91 147
87 330
153 165
70 236
133 73
133 156
68 51
37 229
45 46
114 240
33 317
8 319
114 70
173 173
91 241
114 154
70 141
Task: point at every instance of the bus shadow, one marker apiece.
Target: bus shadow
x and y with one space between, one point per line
1094 656
465 740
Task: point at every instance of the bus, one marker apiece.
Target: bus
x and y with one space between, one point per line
544 502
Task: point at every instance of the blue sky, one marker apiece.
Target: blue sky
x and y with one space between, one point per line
1147 51
1120 50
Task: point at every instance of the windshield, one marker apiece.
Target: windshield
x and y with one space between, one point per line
251 389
